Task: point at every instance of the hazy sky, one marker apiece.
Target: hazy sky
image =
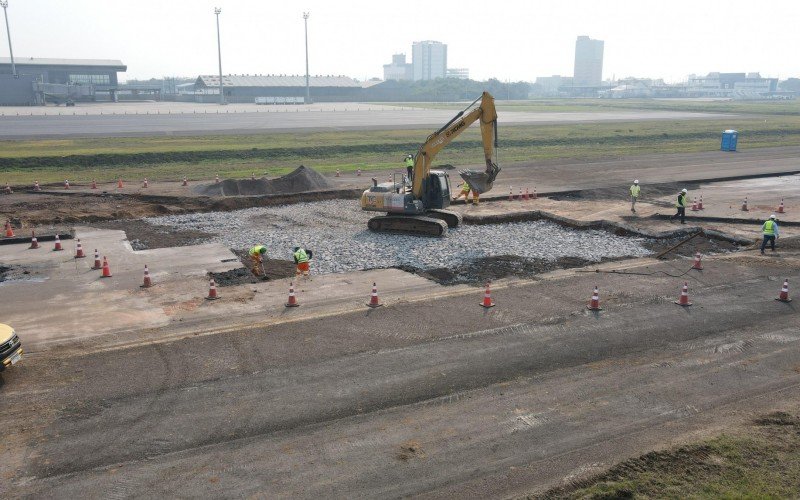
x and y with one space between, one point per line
516 40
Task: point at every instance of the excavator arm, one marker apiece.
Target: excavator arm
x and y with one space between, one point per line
480 181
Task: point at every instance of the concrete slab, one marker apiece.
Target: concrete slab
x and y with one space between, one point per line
79 304
720 200
62 298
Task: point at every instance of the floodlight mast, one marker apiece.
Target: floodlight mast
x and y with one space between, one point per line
217 12
4 4
308 88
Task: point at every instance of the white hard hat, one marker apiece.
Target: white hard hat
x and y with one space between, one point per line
772 216
684 190
636 181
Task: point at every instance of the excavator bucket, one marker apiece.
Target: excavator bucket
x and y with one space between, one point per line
480 181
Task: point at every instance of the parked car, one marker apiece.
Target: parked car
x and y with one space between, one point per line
10 347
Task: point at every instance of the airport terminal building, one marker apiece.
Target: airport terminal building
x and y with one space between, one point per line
246 88
43 80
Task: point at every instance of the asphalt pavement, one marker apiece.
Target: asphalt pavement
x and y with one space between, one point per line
439 398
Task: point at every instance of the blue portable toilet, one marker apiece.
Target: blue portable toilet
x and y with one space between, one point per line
729 139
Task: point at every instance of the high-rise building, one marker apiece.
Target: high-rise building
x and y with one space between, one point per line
399 69
588 62
429 60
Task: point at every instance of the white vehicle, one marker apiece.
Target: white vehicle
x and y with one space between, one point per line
10 347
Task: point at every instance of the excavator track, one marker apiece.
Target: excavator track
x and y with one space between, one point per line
453 219
408 224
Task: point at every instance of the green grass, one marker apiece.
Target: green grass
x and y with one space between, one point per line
230 156
763 461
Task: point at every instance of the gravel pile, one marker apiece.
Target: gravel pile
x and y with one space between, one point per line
336 231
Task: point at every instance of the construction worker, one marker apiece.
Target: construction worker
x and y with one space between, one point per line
681 206
301 258
770 230
464 192
634 194
257 254
409 162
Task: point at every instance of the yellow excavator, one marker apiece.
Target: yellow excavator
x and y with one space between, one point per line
417 205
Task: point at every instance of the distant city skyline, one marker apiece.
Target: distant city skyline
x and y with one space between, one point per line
178 38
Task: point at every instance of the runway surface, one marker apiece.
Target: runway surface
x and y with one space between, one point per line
147 119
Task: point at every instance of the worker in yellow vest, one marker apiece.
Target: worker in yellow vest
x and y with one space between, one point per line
634 194
770 230
464 192
681 206
257 254
302 258
409 163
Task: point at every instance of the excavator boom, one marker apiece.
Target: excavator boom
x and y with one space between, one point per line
487 114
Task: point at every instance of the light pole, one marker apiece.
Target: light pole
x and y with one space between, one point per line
308 89
4 4
217 12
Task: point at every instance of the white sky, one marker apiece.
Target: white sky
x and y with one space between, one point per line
506 39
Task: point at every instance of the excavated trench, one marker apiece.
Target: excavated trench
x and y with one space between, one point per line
476 252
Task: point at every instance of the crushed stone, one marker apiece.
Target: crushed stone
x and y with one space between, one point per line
336 232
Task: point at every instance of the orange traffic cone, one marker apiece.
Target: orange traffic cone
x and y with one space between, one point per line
185 181
511 194
147 281
36 186
744 205
487 297
94 184
337 172
697 264
66 184
106 269
216 179
527 195
534 194
695 207
700 204
684 300
9 230
97 263
784 296
145 183
780 207
253 176
212 290
79 250
373 299
358 172
519 197
594 305
57 247
8 189
34 241
292 298
119 183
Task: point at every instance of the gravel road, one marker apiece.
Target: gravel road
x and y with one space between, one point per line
336 232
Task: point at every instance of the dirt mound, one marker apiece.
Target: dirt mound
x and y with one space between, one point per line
479 271
300 180
275 269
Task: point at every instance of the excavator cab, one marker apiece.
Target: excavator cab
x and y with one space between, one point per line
438 190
